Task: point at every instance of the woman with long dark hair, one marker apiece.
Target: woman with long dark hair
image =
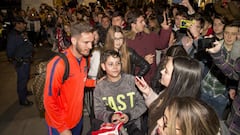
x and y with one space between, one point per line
181 76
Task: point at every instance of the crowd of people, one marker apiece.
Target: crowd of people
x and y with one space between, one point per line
170 69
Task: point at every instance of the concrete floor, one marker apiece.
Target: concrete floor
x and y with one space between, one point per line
15 119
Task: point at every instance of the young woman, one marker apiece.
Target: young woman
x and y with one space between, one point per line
187 116
172 51
181 77
115 40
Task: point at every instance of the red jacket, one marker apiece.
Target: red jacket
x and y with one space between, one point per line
64 102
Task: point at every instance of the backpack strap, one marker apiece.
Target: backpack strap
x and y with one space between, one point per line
66 62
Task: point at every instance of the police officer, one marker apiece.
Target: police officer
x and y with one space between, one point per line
19 51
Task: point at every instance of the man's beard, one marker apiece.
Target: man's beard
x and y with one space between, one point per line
81 51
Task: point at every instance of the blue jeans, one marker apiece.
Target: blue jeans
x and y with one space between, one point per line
218 103
75 131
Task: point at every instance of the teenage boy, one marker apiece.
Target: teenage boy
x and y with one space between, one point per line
118 19
117 92
214 84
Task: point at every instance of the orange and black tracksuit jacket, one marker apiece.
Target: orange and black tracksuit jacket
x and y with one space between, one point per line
63 102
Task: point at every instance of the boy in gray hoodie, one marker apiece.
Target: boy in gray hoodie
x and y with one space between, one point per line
117 92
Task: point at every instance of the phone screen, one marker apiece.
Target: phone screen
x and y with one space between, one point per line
177 1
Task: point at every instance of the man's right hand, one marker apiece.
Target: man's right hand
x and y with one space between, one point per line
214 49
66 132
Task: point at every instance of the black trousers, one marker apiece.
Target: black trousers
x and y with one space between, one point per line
23 71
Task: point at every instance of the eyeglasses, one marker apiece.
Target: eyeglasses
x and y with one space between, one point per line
120 38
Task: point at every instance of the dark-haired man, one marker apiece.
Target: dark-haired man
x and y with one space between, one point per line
105 24
231 68
144 42
63 101
118 19
214 86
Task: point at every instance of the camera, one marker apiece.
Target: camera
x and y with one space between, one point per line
186 23
205 43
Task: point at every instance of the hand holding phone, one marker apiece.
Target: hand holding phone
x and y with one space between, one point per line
139 81
166 16
186 23
142 85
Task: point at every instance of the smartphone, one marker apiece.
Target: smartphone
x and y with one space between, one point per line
139 80
185 23
166 16
176 1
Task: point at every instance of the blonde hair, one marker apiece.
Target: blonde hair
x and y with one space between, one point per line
124 52
193 117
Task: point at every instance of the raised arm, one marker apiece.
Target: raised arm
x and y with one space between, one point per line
229 68
139 105
148 94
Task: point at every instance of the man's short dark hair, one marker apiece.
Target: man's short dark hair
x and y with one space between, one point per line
117 13
105 16
233 23
133 15
81 27
199 18
222 18
182 13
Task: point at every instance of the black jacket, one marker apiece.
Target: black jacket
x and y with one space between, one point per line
138 61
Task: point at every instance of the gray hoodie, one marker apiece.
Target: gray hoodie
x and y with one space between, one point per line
118 96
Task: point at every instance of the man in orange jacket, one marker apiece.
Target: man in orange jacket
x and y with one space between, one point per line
63 102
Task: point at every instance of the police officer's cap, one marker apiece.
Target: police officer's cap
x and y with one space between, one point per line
19 19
